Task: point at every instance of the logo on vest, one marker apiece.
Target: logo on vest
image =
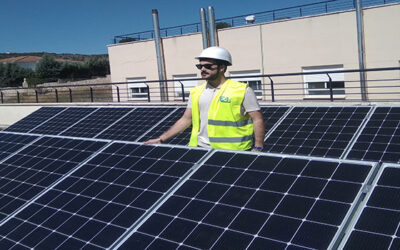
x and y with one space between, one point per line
225 99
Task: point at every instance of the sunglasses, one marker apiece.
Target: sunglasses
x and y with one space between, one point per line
207 66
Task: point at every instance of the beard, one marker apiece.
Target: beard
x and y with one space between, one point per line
209 77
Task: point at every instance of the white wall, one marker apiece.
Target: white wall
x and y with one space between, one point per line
285 46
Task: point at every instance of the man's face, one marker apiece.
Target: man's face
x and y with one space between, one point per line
209 69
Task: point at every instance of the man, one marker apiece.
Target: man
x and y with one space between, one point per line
223 113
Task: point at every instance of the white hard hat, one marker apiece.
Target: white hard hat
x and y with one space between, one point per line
216 53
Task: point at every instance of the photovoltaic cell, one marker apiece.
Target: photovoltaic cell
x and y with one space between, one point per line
380 139
36 167
272 114
378 226
62 121
10 143
96 122
181 139
29 122
135 124
316 131
243 200
99 202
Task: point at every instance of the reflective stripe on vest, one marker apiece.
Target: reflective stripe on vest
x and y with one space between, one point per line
231 139
229 123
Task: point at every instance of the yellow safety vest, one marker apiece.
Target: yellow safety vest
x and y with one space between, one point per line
227 127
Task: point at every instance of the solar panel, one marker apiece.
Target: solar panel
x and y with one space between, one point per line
316 131
36 167
244 200
272 114
181 139
135 124
36 118
380 139
10 143
96 122
99 202
62 121
378 224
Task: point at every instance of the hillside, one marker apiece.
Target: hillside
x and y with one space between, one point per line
72 57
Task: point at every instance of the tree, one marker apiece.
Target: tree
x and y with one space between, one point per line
48 68
12 75
74 71
127 39
98 66
222 25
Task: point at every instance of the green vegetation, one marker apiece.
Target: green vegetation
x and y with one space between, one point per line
127 39
50 70
12 75
222 25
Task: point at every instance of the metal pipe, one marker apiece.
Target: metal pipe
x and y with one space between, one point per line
204 30
119 99
160 55
148 92
361 49
330 87
272 89
91 94
183 91
211 27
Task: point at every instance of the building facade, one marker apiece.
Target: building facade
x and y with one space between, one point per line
325 42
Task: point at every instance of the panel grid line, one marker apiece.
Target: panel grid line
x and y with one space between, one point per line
357 134
270 131
65 108
156 124
115 122
195 220
377 223
20 149
78 121
46 189
168 194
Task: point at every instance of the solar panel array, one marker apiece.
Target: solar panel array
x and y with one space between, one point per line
378 225
34 119
62 121
380 139
316 131
70 192
37 166
96 122
180 139
240 201
97 203
10 143
272 115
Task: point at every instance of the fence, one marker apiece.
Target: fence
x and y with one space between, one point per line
382 85
260 17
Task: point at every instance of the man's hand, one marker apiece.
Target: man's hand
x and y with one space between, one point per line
154 141
183 123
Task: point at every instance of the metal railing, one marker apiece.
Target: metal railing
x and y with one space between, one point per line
383 85
259 17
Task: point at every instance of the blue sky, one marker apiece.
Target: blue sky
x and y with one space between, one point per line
88 26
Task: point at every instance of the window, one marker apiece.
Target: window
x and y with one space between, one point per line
187 84
253 82
318 85
137 89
